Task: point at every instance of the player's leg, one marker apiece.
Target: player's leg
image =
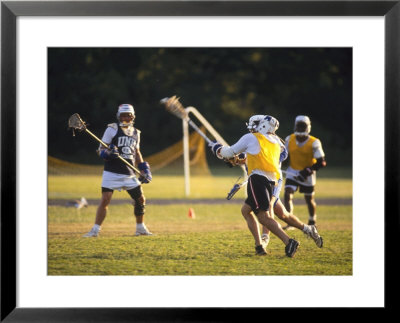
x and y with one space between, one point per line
288 218
312 206
308 192
254 228
291 187
288 199
266 219
265 236
101 212
139 202
294 221
259 192
288 202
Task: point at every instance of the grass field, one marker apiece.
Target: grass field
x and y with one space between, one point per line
215 242
172 187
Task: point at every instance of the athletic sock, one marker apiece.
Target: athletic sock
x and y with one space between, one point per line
139 226
313 218
96 227
306 228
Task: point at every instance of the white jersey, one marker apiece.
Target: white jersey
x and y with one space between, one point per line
112 130
113 179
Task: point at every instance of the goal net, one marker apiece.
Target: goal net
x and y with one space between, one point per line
168 161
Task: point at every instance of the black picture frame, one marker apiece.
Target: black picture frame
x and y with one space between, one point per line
10 10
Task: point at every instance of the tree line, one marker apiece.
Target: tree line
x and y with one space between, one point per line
227 86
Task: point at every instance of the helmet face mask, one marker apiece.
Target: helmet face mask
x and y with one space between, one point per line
302 126
125 115
254 122
263 124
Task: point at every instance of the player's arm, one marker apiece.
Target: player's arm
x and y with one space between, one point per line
235 154
143 166
321 162
227 152
319 155
284 154
112 151
139 157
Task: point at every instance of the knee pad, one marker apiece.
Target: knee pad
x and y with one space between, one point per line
139 210
139 200
140 204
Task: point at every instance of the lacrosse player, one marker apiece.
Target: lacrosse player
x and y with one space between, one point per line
124 141
279 209
263 150
306 158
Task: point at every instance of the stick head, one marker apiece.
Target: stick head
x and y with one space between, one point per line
173 106
76 123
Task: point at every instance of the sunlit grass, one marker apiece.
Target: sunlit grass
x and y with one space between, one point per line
215 242
173 187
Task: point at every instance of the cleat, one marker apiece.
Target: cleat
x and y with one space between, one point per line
265 240
311 222
260 251
91 234
291 248
143 231
315 236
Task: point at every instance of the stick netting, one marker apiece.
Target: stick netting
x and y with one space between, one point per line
76 122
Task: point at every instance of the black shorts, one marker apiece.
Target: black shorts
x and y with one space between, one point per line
302 188
259 192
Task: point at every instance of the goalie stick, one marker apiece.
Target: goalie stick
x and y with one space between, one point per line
175 107
76 123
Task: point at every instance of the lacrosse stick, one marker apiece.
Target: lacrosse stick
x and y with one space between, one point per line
238 186
76 123
173 106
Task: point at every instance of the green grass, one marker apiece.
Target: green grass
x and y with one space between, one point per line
215 242
172 187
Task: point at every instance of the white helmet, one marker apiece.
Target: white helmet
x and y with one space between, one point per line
263 124
302 126
126 108
254 121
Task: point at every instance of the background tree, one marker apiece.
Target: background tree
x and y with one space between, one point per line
227 85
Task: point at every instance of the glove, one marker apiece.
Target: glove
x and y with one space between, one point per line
145 177
303 174
236 160
109 154
215 146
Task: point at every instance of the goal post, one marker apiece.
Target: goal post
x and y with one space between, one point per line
211 130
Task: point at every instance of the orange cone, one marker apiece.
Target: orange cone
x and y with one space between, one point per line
191 213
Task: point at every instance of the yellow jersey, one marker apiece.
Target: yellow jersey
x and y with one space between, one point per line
267 160
301 157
